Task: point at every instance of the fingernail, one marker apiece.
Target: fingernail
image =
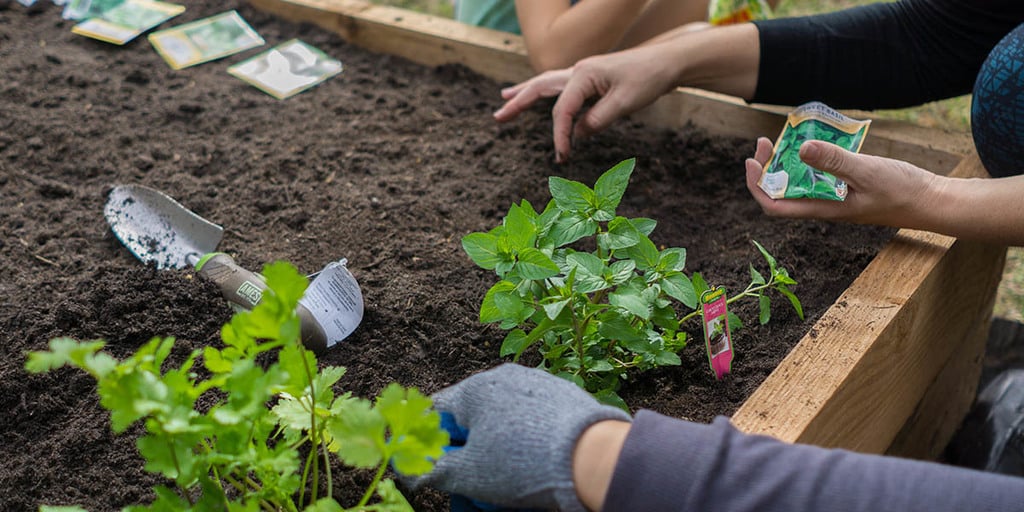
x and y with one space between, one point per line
559 157
498 112
810 151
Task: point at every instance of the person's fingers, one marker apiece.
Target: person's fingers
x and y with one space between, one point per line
568 105
520 96
831 158
764 150
598 117
444 475
753 168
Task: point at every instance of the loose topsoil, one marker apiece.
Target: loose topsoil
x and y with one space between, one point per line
389 165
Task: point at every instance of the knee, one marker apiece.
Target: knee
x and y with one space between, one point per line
997 109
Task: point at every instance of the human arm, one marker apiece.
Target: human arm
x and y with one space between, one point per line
558 34
721 58
894 193
669 464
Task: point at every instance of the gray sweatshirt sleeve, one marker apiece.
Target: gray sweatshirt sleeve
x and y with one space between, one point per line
668 464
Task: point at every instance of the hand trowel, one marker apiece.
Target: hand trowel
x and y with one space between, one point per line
159 230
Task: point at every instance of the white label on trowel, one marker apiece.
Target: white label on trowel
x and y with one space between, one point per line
335 301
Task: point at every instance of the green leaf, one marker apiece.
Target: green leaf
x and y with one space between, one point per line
326 505
571 196
620 272
644 225
65 351
610 397
644 253
285 281
632 299
553 309
215 361
391 500
482 248
611 185
699 285
571 227
417 438
534 264
519 228
359 430
677 286
514 344
589 272
735 323
673 258
785 291
614 326
755 276
772 264
666 358
489 309
599 365
766 309
48 508
622 234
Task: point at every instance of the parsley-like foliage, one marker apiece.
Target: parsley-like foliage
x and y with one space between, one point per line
265 442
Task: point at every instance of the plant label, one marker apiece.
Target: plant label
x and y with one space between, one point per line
335 300
785 176
717 338
125 21
205 40
287 69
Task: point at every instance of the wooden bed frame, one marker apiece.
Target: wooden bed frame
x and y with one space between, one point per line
893 365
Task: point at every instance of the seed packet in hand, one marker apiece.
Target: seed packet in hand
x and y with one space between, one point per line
785 176
205 40
728 12
287 69
127 20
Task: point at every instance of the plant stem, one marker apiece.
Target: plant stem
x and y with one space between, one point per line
314 434
751 290
373 484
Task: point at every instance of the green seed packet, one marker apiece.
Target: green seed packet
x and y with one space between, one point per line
127 20
785 176
287 69
205 40
728 12
84 9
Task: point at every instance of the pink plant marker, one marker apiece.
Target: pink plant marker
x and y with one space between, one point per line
717 338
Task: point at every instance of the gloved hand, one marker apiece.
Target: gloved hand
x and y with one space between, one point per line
522 425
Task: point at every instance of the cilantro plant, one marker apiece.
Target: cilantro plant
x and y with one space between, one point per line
596 315
264 438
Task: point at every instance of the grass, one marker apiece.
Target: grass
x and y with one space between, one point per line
952 114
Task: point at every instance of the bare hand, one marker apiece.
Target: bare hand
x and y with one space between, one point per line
882 191
624 82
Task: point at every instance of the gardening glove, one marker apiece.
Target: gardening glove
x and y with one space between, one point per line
520 428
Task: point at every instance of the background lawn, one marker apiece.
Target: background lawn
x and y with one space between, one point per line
952 114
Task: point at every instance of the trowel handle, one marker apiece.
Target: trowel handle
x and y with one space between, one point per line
245 289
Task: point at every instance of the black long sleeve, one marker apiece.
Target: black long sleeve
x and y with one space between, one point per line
885 55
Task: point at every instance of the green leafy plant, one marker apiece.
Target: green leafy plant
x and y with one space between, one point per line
263 439
596 315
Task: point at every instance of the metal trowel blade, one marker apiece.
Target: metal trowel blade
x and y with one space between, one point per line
157 229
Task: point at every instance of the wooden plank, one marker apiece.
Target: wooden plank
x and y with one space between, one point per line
861 371
501 56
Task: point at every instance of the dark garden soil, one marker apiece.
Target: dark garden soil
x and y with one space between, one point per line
389 165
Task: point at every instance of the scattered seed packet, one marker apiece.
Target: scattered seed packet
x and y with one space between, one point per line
717 337
127 20
728 12
205 40
287 69
785 176
84 9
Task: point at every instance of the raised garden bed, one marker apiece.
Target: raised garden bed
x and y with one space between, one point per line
388 165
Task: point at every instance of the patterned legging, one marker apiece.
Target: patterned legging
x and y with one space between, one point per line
997 112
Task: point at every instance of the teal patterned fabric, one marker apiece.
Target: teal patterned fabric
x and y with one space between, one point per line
997 111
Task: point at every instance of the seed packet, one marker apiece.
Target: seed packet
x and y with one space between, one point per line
127 20
728 12
785 176
84 9
717 338
287 69
205 40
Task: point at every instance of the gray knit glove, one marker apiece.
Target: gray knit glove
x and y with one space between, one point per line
522 425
